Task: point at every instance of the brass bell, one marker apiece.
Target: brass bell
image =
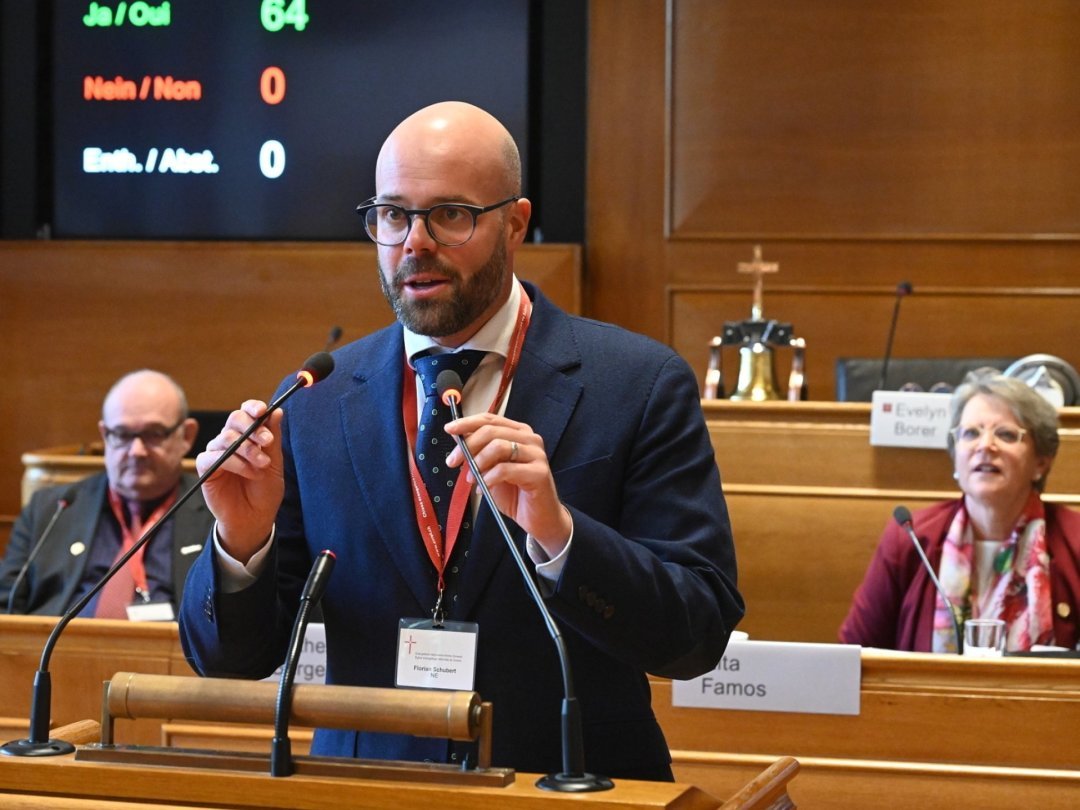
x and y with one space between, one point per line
757 380
756 339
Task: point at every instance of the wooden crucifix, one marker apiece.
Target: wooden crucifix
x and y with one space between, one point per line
758 268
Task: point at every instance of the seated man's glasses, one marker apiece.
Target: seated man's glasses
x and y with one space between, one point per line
1003 434
449 224
152 436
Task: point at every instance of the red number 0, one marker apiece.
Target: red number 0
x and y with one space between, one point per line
272 85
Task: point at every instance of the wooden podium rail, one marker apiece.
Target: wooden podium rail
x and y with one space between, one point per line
455 715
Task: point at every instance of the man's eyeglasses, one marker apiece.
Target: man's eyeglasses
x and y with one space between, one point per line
449 224
1003 434
153 436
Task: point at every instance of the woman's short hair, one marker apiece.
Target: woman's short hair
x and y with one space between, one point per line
1037 416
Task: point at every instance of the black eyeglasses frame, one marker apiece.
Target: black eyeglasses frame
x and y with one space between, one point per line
411 213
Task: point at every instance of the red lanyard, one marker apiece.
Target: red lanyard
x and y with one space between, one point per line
130 534
438 548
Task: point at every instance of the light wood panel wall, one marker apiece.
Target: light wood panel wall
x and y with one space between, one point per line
861 145
228 320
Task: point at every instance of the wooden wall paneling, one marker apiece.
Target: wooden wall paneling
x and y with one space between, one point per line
861 146
821 444
625 264
844 119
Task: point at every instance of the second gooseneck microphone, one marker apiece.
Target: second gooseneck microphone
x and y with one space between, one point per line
332 338
902 289
317 368
902 515
63 503
281 761
572 778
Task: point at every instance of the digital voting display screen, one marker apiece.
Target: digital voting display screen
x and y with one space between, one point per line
258 119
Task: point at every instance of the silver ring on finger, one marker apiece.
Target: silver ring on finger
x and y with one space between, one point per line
513 451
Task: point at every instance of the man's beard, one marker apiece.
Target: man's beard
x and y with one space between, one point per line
469 299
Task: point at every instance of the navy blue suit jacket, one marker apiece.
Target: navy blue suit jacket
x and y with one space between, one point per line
648 586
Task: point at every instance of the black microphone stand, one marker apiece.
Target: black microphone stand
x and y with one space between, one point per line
63 503
902 289
38 744
902 515
572 778
281 761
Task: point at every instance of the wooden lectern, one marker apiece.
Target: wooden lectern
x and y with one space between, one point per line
128 776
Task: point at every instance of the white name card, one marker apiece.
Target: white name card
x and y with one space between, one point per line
778 676
312 665
909 419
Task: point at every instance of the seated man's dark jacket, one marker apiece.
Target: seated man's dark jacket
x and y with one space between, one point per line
649 584
53 580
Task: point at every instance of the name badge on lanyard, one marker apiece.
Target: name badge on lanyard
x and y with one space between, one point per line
434 656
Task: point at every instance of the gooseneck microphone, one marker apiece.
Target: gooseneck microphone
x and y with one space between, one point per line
902 289
281 761
902 515
317 368
573 778
332 338
62 503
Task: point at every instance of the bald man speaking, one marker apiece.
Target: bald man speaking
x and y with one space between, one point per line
590 438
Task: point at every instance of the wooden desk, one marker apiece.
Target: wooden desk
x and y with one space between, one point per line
1000 728
933 731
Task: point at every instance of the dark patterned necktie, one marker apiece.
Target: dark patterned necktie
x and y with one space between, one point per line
433 443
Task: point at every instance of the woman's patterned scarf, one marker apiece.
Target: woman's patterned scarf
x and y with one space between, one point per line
1019 592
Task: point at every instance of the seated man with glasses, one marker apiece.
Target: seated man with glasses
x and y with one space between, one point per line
999 551
67 537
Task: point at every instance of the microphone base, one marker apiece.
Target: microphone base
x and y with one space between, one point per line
26 748
574 783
